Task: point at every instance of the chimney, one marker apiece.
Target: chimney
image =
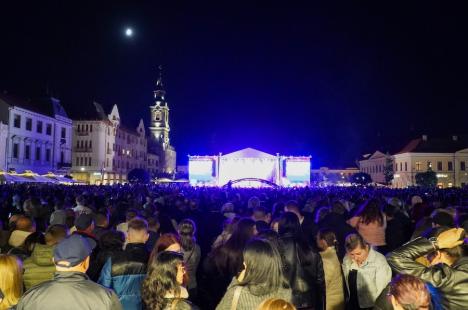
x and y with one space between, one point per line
424 137
455 138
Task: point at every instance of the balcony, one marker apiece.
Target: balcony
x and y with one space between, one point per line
82 149
62 165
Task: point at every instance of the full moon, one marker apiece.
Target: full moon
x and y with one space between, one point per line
128 32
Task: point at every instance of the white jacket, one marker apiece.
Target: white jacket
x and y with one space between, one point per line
372 277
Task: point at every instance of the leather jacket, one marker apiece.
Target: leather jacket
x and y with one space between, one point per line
304 272
450 281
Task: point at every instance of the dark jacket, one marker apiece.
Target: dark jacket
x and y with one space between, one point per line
337 223
69 290
304 272
125 272
39 267
450 281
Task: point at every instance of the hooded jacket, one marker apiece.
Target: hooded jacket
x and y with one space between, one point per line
39 267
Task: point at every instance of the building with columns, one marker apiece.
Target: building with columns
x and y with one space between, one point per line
35 135
104 150
159 141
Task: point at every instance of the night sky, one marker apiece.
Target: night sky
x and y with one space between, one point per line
329 79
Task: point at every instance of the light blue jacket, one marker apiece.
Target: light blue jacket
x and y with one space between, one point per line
372 277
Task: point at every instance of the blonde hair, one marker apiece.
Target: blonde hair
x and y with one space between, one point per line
276 304
11 280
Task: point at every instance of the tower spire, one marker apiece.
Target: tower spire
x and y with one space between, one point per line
159 93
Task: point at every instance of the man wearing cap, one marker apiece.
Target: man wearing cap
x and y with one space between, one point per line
71 288
448 270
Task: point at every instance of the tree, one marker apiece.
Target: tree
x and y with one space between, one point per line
361 178
426 179
138 175
388 169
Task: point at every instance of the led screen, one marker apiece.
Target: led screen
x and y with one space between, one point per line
200 170
235 169
298 171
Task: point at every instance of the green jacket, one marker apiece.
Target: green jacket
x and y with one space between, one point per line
40 266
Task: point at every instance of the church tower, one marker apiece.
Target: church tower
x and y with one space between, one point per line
159 129
160 115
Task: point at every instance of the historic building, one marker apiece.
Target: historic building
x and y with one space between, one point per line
159 141
331 176
34 135
447 157
374 165
105 150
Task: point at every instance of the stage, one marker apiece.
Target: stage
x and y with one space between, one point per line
249 168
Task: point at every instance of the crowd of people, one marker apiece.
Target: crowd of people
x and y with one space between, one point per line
179 247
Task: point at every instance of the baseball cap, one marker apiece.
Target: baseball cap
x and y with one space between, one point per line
83 221
72 250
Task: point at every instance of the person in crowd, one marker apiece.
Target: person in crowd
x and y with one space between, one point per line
39 267
111 243
370 223
153 231
84 225
261 213
192 253
71 287
336 220
124 272
438 218
366 272
225 262
229 226
129 215
24 226
405 292
301 265
448 272
409 292
59 216
24 251
261 278
162 288
11 282
166 242
101 226
395 230
308 227
327 243
276 304
82 205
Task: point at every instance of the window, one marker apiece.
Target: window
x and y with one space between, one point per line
17 121
396 167
77 161
91 128
38 153
418 166
462 166
63 133
39 126
49 129
90 144
439 165
62 157
15 150
27 152
28 124
47 155
89 161
450 166
81 161
77 144
401 166
429 165
406 166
